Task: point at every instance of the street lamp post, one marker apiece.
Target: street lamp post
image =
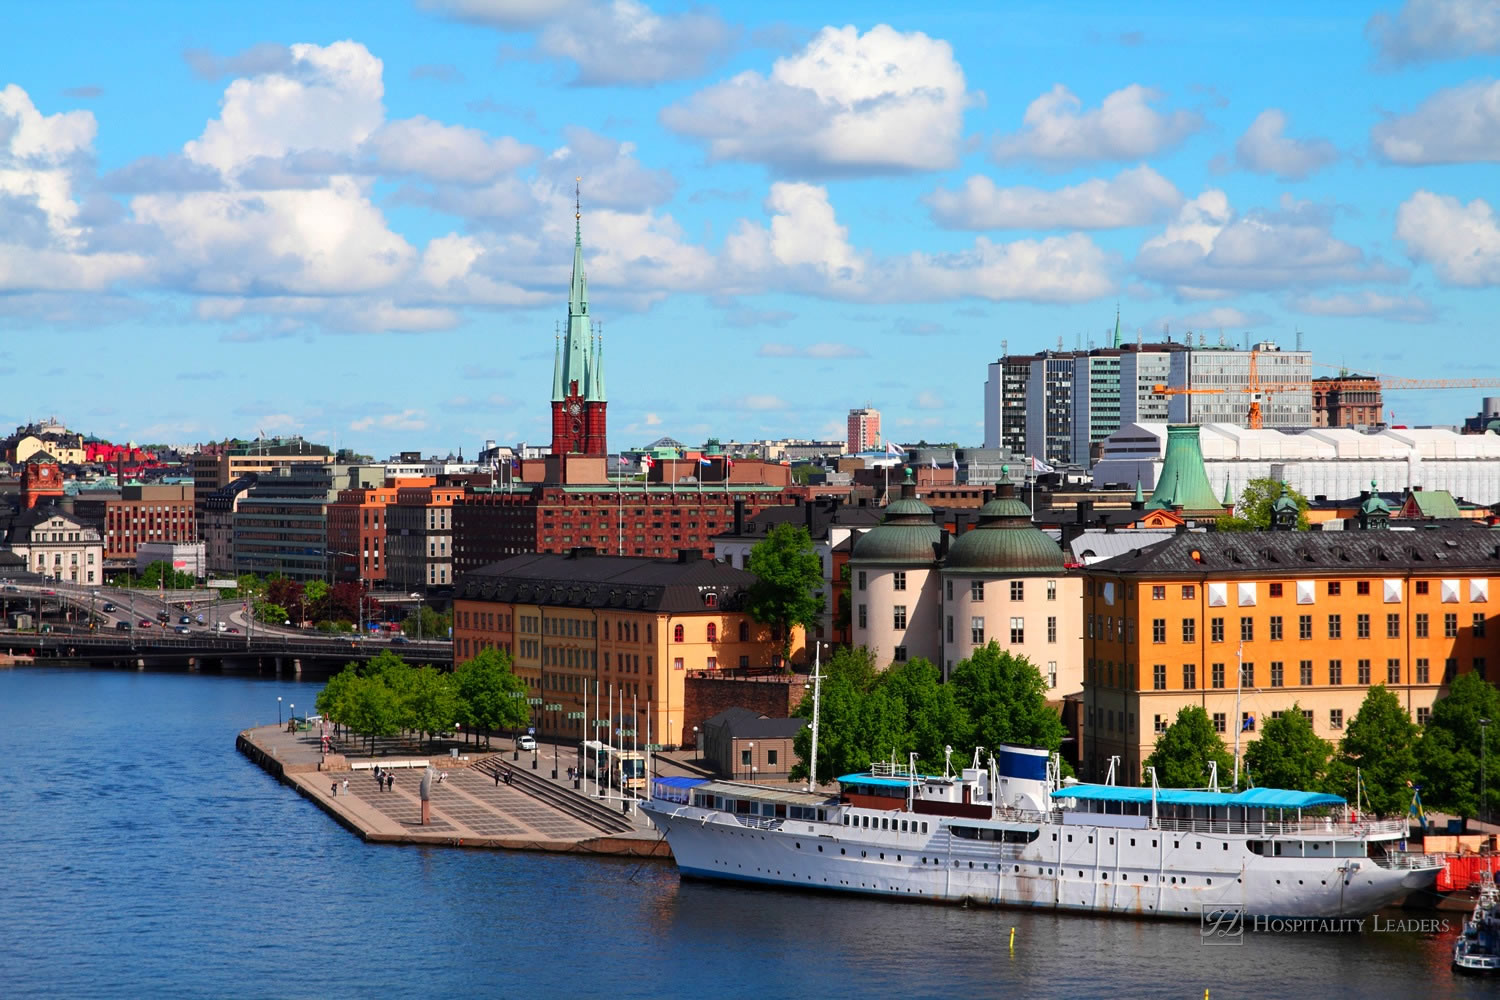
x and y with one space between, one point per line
418 598
291 712
752 757
278 710
1484 790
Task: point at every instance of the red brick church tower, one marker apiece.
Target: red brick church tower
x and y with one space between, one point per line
578 399
41 478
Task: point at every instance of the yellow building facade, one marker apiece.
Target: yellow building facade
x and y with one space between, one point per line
1247 625
585 631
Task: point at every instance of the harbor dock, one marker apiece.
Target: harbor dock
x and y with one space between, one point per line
473 806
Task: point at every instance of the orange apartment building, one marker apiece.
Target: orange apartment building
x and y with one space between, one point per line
356 531
140 513
1276 618
579 626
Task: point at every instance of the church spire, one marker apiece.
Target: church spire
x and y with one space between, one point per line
596 369
575 347
558 388
1117 326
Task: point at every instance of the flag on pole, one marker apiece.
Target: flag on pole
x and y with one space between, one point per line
704 461
932 462
955 463
647 462
892 448
1037 465
728 463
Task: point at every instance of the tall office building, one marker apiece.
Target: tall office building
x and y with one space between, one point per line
864 430
1097 392
1221 376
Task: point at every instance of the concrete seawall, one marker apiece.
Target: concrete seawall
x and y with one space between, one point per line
471 807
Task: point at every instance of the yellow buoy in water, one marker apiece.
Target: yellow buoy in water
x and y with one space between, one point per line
1012 939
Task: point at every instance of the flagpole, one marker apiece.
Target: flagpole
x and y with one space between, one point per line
1239 724
620 496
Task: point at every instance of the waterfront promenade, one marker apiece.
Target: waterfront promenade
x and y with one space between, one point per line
469 808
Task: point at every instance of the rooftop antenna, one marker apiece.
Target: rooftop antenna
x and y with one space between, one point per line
1137 337
1004 348
1299 338
1166 331
1247 340
1059 345
1202 340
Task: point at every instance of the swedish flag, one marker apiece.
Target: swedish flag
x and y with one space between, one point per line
1416 805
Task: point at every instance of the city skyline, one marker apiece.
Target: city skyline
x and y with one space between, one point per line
361 230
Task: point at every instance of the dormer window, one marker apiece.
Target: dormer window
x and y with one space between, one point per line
710 600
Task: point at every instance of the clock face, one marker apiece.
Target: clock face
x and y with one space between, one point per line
574 408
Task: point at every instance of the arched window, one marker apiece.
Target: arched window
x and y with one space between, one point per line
744 631
677 633
713 632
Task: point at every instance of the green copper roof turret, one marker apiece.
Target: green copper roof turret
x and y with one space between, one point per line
596 373
576 339
1140 497
558 388
1117 326
1228 497
1183 481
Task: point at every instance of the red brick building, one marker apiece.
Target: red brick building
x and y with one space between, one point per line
141 513
356 532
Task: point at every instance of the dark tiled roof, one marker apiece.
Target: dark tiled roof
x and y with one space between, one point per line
595 581
744 724
1286 553
823 516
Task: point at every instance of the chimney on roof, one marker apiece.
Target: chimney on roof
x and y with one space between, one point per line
807 519
1181 529
960 523
739 517
943 539
689 555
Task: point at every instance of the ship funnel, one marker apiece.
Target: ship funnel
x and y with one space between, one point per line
1023 776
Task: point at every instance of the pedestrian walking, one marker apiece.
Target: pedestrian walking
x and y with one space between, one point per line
390 782
333 789
346 786
497 778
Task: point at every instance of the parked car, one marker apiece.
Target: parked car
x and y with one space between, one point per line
526 742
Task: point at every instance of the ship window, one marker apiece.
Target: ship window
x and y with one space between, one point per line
924 826
885 824
865 822
903 826
1132 841
1091 838
846 820
1111 840
1070 838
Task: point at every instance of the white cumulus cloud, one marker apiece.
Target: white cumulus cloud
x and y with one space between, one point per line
626 43
847 103
1461 242
1210 250
1424 30
1457 125
1057 132
1366 302
442 152
1134 197
816 352
1266 149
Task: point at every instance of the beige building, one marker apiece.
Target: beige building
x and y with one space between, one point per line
57 544
917 592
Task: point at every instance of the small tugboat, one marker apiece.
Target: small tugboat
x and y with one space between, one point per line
1478 947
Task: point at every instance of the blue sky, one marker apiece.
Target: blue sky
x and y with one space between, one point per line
354 221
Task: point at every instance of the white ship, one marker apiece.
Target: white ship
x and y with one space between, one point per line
1006 832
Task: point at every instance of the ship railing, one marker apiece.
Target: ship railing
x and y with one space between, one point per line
1325 826
888 769
1403 860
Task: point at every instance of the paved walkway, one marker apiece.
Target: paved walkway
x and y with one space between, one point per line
468 808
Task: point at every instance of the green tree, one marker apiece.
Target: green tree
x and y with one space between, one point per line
1289 754
787 591
802 474
842 614
1379 744
1183 752
1004 698
1253 511
158 575
928 711
434 625
1448 753
332 700
430 702
249 585
490 695
315 593
370 709
848 676
271 614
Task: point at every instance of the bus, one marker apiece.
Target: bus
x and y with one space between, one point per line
622 769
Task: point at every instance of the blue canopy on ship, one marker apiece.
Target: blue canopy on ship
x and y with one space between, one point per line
1254 798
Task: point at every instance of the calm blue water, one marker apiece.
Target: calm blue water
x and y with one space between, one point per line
141 856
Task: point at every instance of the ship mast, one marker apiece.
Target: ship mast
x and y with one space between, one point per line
812 772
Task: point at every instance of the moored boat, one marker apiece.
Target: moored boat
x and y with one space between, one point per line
1478 946
1005 831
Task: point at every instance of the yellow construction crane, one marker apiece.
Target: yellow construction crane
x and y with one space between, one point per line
1258 391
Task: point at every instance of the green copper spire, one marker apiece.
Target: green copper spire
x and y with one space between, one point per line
1140 497
596 370
557 370
1228 497
1182 467
1117 325
575 347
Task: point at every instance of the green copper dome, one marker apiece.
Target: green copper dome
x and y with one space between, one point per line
1005 541
906 535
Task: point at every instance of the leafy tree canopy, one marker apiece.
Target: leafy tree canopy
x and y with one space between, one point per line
1253 511
787 591
1183 752
1379 742
1448 754
1289 754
